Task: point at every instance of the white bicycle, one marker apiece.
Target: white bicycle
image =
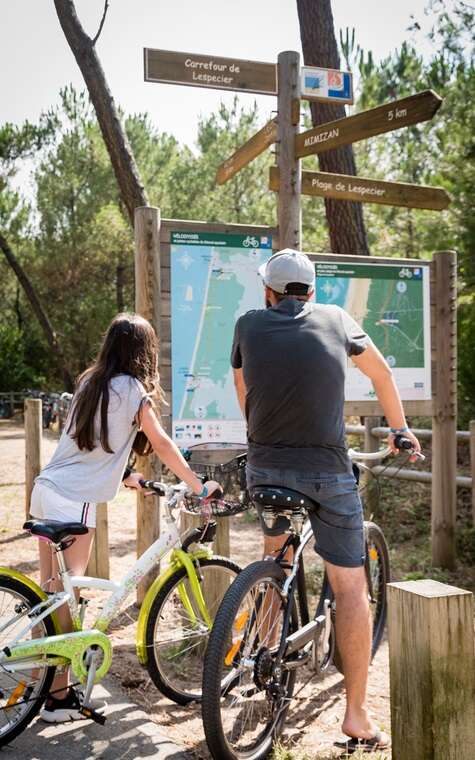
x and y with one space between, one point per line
173 626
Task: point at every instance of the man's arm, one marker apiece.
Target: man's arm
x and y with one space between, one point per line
241 391
373 364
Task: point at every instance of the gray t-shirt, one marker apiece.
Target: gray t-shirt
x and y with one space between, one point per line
294 358
96 475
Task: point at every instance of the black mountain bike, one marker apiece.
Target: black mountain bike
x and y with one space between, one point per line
264 631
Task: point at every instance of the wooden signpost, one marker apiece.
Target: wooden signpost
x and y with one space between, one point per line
348 188
256 145
375 121
212 71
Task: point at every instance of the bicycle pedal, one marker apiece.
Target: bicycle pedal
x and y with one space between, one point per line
88 712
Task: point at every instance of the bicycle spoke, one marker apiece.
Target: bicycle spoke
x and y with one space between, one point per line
181 634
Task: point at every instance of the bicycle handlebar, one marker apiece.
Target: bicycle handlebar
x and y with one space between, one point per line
401 443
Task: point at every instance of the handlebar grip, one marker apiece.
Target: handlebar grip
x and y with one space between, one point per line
401 442
153 485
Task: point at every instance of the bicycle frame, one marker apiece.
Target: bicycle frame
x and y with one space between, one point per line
66 648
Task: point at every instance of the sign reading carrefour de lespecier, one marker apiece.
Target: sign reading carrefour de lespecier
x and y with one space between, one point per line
219 73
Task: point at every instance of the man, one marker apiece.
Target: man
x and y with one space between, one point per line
289 363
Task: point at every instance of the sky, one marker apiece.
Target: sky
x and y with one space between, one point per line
35 59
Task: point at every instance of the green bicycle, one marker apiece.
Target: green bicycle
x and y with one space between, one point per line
173 626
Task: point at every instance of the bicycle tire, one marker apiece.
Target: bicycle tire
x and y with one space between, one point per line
32 598
157 612
374 540
214 660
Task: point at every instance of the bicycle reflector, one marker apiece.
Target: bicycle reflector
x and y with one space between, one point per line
238 625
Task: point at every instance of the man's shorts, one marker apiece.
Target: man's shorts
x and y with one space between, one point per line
337 520
46 504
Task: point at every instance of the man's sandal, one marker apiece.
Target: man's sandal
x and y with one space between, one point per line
378 741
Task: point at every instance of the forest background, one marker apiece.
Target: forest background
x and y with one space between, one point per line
72 236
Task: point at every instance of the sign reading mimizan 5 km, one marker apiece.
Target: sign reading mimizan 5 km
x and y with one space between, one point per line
210 71
375 121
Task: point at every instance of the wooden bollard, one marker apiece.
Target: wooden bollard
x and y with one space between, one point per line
98 565
432 671
33 446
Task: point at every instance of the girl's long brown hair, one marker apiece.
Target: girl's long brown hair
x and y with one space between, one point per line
130 347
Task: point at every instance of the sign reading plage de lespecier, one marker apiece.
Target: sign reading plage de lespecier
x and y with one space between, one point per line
198 70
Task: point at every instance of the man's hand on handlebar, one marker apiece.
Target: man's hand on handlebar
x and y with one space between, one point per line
409 435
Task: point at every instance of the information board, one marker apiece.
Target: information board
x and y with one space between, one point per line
392 304
214 279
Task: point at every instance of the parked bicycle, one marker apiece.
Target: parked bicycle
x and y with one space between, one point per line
173 626
264 631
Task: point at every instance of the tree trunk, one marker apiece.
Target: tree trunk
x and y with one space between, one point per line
119 286
40 313
345 218
130 186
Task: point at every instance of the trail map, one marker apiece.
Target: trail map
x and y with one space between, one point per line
391 303
214 279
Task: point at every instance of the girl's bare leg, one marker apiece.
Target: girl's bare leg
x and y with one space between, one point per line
76 558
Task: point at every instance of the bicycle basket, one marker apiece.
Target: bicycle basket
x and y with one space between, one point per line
215 507
231 474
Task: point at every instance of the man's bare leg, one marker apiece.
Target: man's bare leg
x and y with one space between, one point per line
354 636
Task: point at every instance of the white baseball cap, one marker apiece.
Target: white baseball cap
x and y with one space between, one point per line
285 267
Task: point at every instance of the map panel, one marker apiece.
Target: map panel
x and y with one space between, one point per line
214 279
391 303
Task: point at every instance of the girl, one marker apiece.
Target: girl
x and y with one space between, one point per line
113 401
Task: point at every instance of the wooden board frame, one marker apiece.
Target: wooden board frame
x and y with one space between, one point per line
181 225
421 407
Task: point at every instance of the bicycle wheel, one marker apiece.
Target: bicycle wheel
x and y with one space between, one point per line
176 635
22 692
244 698
380 573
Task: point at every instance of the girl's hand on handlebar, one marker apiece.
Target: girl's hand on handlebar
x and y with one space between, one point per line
133 481
411 437
214 489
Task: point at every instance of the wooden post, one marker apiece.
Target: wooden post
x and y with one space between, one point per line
472 465
33 446
222 540
290 172
98 565
432 671
147 303
444 422
371 443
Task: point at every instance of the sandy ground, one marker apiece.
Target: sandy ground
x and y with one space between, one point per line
313 722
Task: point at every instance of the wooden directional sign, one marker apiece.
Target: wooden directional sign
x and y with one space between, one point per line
347 188
210 71
247 152
376 121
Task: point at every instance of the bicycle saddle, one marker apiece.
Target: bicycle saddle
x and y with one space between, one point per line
283 498
54 530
